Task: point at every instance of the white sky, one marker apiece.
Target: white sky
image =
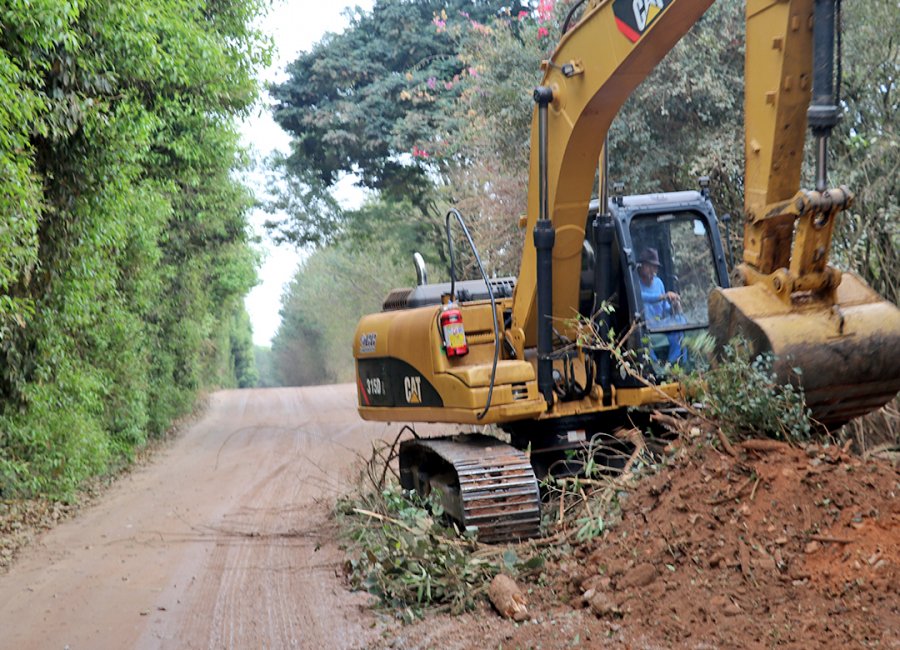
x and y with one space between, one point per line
294 26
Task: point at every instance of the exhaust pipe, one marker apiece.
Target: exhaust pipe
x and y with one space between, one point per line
421 272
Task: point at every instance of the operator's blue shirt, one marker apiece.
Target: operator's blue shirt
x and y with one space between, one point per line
655 308
658 313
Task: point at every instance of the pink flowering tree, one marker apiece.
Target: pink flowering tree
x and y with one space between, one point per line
486 132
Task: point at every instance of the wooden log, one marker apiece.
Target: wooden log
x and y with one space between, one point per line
765 445
507 598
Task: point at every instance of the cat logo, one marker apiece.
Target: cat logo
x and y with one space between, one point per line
633 17
412 386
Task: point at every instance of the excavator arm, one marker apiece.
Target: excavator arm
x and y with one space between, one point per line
828 330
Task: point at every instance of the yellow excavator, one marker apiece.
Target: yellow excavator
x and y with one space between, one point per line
504 351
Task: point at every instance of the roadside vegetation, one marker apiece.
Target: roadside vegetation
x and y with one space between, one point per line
124 247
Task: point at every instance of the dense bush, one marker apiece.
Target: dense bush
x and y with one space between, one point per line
124 246
744 398
407 554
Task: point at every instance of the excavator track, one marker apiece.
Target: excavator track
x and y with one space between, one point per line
485 484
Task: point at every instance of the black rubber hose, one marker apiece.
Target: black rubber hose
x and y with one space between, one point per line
454 212
570 14
452 258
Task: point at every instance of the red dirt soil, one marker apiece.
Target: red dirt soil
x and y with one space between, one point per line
790 547
796 548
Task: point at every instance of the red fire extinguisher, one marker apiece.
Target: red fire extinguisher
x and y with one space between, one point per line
453 331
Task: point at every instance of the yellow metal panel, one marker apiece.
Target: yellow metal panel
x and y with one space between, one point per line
504 413
508 372
372 329
647 395
777 67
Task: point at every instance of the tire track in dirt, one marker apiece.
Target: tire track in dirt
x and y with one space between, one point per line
224 541
263 578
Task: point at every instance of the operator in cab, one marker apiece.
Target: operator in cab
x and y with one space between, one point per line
661 308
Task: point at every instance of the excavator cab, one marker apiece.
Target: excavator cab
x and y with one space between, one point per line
676 261
670 256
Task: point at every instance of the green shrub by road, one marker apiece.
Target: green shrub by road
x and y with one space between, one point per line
124 249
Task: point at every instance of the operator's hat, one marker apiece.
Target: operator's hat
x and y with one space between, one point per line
649 256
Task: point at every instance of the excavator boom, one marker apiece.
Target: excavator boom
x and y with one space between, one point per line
594 69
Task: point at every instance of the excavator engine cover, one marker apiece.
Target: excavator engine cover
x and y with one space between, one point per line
849 351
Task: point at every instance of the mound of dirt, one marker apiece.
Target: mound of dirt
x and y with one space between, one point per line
781 546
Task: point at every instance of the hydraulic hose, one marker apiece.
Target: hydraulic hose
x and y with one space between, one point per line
455 213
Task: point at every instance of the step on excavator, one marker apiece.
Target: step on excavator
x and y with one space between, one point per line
504 352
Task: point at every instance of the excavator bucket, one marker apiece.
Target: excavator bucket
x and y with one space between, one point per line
848 352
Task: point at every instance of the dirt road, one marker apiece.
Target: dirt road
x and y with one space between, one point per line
215 544
224 541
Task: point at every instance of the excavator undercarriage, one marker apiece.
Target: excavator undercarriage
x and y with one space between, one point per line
484 484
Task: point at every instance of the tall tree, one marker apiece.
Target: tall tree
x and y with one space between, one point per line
321 307
866 144
363 102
